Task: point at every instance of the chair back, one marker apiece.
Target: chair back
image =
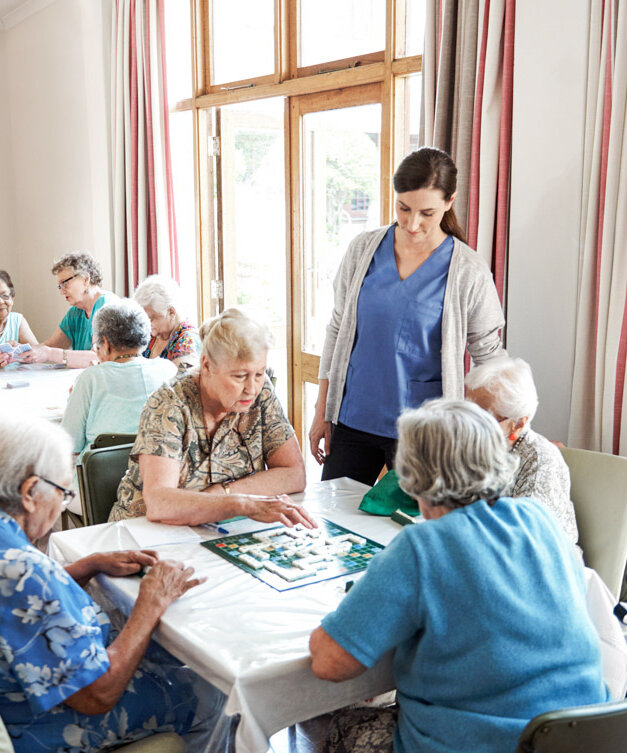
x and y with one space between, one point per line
599 494
601 728
110 440
99 474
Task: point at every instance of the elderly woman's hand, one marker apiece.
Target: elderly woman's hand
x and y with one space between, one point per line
38 354
278 508
119 564
165 582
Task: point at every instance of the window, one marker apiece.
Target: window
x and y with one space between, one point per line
300 109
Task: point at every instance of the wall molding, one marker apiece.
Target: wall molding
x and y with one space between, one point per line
22 12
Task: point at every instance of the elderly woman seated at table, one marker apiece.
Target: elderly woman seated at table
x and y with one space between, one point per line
215 443
505 388
484 601
14 328
65 684
79 279
173 336
109 397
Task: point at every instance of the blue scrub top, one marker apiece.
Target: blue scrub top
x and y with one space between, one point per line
396 358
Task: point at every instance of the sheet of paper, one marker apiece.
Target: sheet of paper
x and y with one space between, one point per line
148 534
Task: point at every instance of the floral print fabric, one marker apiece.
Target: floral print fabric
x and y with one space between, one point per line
53 641
172 426
183 342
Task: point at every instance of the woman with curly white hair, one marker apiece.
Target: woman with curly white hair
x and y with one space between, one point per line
79 280
483 602
505 388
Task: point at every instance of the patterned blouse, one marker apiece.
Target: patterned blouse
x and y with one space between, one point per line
543 475
183 342
53 640
172 426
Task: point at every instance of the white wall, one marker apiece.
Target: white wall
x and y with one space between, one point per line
7 226
56 85
547 158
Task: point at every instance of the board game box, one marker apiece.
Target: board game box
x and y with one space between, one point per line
287 558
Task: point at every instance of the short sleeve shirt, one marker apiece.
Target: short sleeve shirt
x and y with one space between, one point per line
77 326
52 635
172 426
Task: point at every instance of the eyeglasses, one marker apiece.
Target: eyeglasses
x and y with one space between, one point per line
6 296
68 494
63 284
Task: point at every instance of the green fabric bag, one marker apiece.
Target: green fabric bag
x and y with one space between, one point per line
386 496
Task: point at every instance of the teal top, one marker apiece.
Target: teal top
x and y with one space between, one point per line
77 325
486 610
11 328
109 398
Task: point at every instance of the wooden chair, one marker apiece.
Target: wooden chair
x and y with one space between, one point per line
599 494
601 728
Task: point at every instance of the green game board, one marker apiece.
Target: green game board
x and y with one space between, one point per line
286 558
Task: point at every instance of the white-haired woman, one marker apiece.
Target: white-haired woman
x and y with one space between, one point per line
505 388
79 279
173 336
216 444
109 397
483 602
65 682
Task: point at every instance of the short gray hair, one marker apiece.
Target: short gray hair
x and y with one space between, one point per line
509 382
234 335
160 293
81 263
30 447
124 323
452 453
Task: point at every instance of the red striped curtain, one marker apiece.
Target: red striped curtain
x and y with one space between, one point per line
599 400
143 200
468 66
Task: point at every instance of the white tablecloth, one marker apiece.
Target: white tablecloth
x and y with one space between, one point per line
44 396
239 633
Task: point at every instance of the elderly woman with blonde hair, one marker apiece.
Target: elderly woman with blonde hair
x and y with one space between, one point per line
66 681
79 280
215 443
505 388
484 603
173 336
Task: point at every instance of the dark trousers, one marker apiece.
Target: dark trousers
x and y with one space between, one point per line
358 455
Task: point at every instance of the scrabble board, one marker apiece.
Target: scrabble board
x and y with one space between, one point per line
286 558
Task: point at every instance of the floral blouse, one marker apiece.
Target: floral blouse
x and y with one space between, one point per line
172 426
53 641
183 342
543 475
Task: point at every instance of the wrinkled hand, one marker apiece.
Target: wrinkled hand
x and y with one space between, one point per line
38 354
5 359
119 564
277 508
320 429
166 581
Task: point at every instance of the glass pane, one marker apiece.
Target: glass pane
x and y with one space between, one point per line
409 92
178 44
414 37
182 151
253 220
337 29
341 189
242 40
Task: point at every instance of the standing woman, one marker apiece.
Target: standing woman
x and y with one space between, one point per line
409 298
79 278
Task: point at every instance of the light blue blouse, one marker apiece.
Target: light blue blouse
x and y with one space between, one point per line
11 328
396 357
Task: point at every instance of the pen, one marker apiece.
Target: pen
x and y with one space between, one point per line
214 527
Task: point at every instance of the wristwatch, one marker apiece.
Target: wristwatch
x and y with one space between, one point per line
64 358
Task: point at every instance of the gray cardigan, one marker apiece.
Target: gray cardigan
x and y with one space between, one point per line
472 316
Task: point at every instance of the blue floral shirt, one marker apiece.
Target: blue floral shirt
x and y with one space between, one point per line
53 640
